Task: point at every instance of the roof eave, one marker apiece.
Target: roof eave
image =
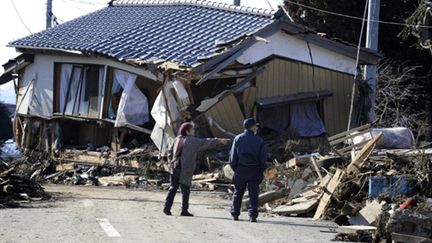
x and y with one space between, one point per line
367 56
21 48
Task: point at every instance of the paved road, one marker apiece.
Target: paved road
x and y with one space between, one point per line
97 214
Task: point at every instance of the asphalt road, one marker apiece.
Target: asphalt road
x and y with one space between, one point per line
100 214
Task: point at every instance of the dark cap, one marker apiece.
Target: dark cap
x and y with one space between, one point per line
248 123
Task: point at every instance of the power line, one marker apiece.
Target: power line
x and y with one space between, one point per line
73 5
356 65
19 16
355 17
88 2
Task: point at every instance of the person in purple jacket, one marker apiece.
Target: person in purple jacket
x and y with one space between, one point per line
183 163
248 160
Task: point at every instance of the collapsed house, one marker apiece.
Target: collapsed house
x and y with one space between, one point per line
129 74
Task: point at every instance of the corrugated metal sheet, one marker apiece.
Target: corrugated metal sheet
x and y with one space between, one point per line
182 32
228 115
284 77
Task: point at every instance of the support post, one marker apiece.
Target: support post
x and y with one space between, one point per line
370 72
48 14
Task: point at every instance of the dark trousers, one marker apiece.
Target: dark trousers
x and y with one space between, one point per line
239 190
175 184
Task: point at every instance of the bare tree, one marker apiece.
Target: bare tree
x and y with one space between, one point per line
402 98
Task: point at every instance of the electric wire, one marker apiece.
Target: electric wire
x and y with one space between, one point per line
20 18
355 17
356 65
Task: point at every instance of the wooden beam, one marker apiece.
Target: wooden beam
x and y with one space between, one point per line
342 134
303 207
362 156
331 187
315 166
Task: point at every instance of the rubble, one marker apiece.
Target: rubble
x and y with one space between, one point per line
358 184
372 193
19 180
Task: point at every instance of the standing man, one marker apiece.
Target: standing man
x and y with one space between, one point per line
248 160
183 163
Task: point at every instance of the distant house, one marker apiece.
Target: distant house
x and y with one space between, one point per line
135 70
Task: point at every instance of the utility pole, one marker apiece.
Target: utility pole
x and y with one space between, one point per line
237 2
48 14
370 72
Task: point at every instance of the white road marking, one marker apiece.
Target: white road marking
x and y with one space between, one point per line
107 227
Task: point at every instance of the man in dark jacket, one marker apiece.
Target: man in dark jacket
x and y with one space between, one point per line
248 160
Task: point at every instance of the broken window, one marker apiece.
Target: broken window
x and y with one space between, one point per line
80 90
126 103
300 113
305 119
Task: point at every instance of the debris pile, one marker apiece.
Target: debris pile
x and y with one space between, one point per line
371 190
19 180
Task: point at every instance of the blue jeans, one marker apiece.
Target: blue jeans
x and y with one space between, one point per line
175 184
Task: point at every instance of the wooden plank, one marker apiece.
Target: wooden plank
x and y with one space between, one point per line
304 207
368 215
331 187
350 136
315 166
349 148
364 153
205 181
205 176
349 132
355 229
267 197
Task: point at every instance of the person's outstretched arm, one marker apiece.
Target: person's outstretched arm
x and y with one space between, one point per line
207 143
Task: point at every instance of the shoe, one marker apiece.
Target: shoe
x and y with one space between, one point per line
253 219
186 214
167 212
235 218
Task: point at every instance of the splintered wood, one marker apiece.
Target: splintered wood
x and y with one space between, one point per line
299 208
331 187
361 157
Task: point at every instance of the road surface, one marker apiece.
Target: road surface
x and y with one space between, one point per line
101 214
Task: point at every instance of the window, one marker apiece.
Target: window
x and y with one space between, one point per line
80 90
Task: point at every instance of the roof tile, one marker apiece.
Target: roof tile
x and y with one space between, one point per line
179 31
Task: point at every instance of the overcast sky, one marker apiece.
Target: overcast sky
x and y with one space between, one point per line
32 13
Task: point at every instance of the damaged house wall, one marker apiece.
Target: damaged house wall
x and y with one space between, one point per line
286 77
294 47
38 100
43 87
252 62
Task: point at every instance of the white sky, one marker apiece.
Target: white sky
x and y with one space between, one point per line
33 12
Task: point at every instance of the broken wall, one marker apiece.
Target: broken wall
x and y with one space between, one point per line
39 98
286 77
35 93
225 115
289 46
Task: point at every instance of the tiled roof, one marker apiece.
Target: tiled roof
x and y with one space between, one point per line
165 30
